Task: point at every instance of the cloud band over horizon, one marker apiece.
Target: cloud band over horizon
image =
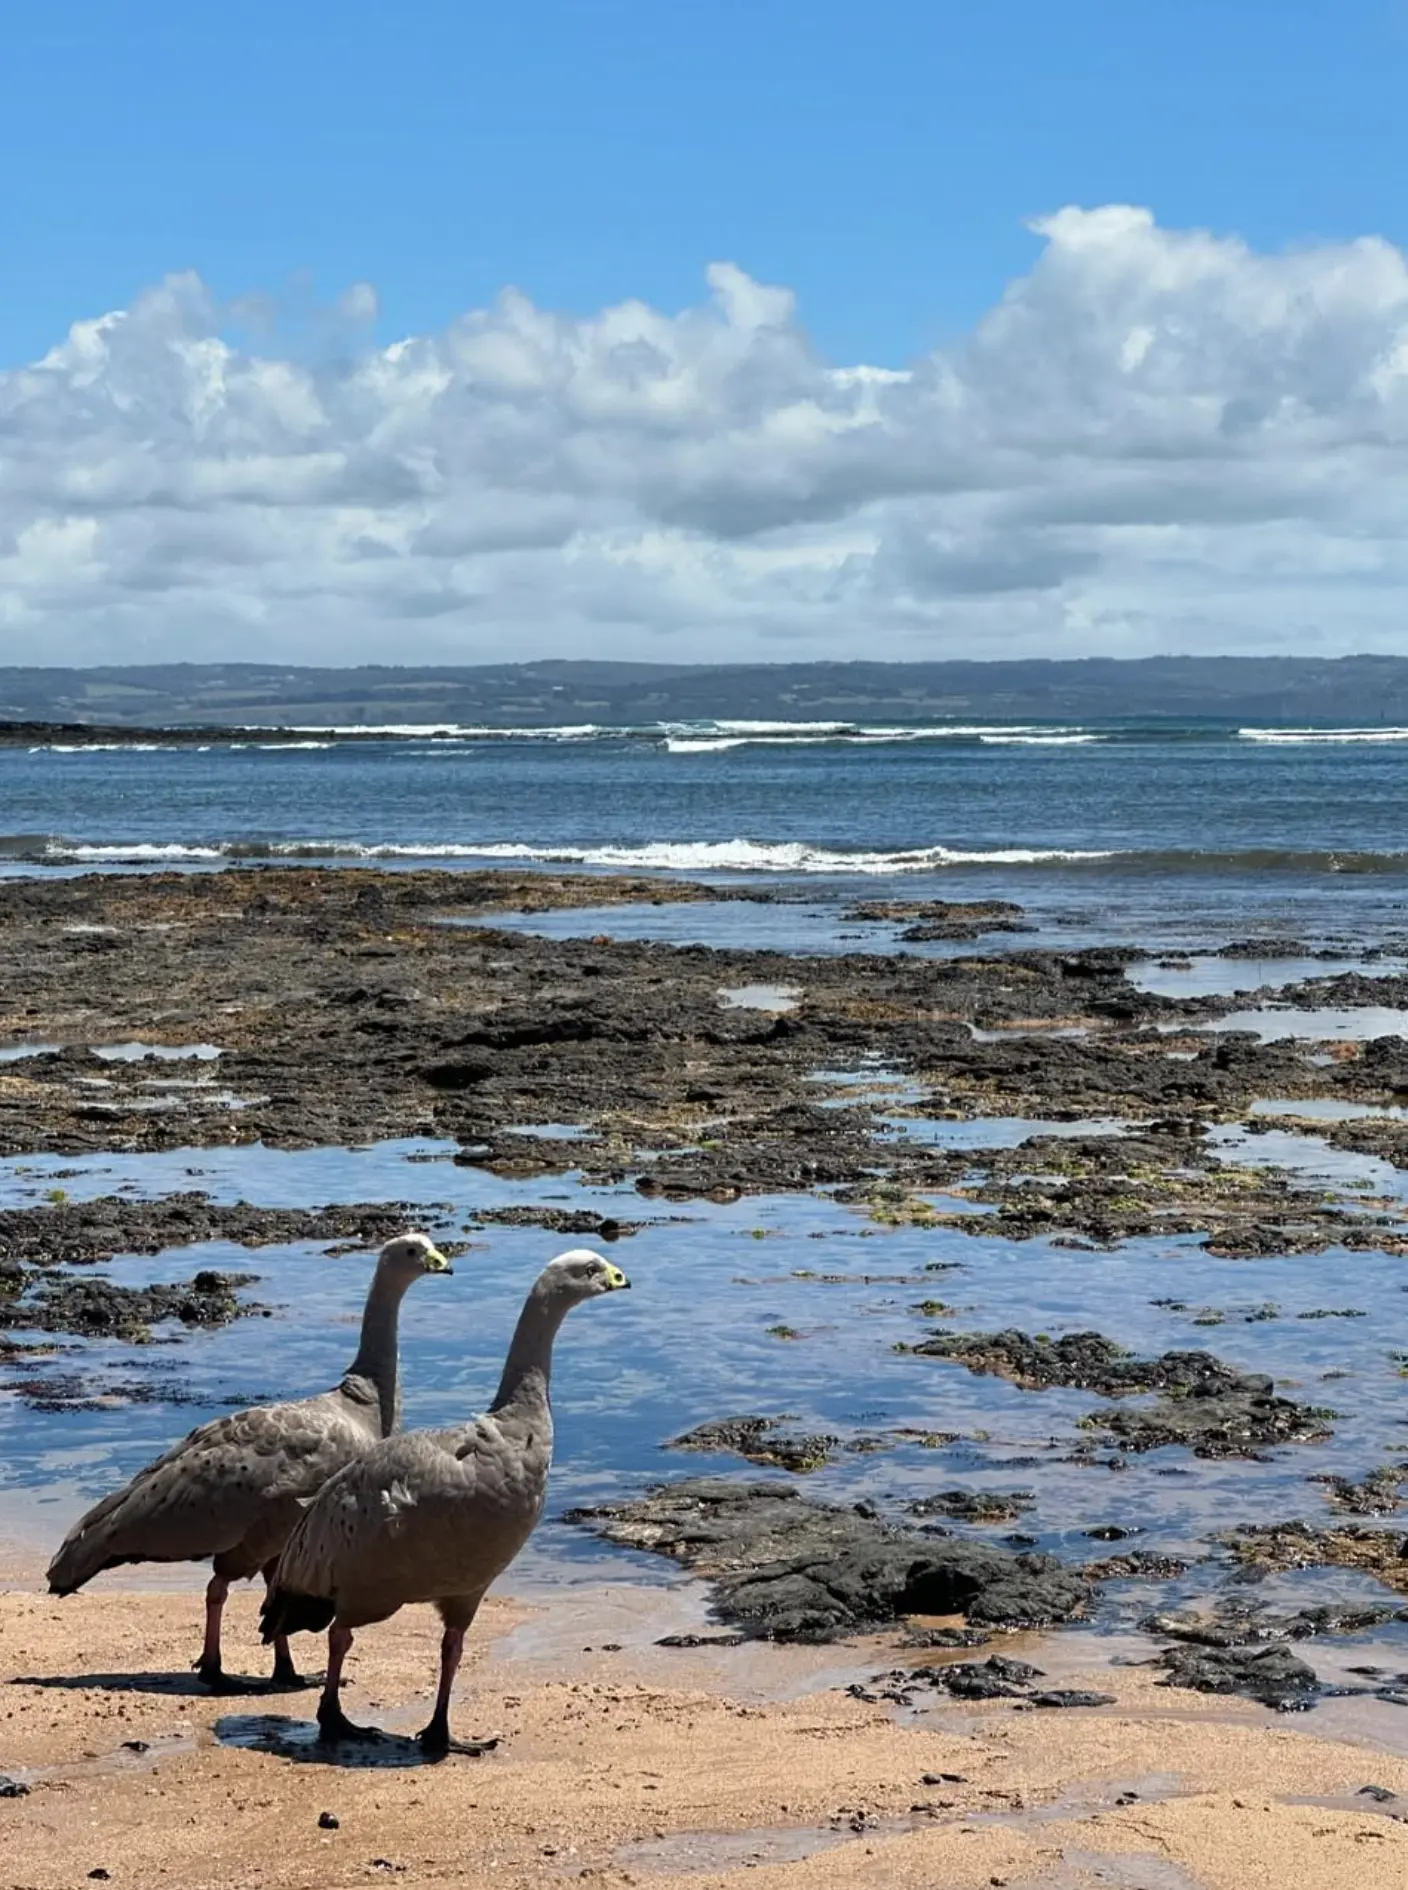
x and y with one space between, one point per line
1156 441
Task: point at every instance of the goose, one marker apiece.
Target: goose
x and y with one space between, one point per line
432 1516
234 1488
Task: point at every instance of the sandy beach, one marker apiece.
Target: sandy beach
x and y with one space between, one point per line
621 1762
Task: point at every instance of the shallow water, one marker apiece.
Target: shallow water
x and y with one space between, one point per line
761 997
700 1336
1228 977
1273 1023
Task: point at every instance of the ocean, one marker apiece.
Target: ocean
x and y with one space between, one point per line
1166 829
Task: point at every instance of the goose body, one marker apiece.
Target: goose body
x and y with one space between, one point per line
233 1489
433 1516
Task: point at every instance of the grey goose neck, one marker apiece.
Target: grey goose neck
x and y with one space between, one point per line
373 1377
527 1372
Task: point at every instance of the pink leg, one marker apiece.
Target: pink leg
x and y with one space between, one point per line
436 1736
333 1723
208 1666
285 1677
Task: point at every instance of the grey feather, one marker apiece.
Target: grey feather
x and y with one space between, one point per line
233 1488
435 1515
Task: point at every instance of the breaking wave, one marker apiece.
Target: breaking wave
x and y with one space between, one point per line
738 855
680 856
1291 736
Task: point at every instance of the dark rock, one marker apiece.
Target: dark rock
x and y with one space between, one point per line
786 1568
78 1233
1270 1675
973 1506
945 1637
1379 1493
12 1787
328 1822
1275 1547
96 1308
1072 1696
969 1680
762 1441
1138 1565
1209 1406
940 918
558 1221
701 1640
1085 1361
1380 1794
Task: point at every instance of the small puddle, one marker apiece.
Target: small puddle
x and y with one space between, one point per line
1135 1870
1229 977
988 1132
129 1052
685 1853
761 997
135 1052
133 1755
1005 1033
1309 1158
298 1740
1328 1109
1274 1023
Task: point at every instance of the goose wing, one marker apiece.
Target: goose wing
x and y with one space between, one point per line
208 1492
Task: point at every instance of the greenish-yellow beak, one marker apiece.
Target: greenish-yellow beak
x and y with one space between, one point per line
615 1278
435 1262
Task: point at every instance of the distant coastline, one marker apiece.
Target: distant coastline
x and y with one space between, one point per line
188 702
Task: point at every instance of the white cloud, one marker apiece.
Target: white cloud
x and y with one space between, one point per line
1156 440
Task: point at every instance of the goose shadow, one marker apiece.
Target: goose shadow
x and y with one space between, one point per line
188 1686
299 1741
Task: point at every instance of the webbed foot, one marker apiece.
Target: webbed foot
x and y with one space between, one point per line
333 1724
287 1679
214 1676
435 1742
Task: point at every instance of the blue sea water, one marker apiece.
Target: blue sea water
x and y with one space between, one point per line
1174 827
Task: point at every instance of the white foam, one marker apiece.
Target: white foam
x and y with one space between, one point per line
1327 735
451 731
728 856
715 737
739 856
1041 741
734 725
140 852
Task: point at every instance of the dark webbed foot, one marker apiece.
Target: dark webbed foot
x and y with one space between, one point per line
215 1677
333 1724
287 1679
435 1742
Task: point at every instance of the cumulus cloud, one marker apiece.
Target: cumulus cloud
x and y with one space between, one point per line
1156 440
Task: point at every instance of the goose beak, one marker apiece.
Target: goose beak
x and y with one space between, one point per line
615 1279
435 1262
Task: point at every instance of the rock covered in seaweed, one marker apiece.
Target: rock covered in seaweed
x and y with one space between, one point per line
786 1568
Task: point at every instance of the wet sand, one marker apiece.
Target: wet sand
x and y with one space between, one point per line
625 1763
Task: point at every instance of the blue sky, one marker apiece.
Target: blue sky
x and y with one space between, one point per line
752 329
879 156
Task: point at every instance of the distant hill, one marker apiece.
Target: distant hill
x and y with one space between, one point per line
1350 690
